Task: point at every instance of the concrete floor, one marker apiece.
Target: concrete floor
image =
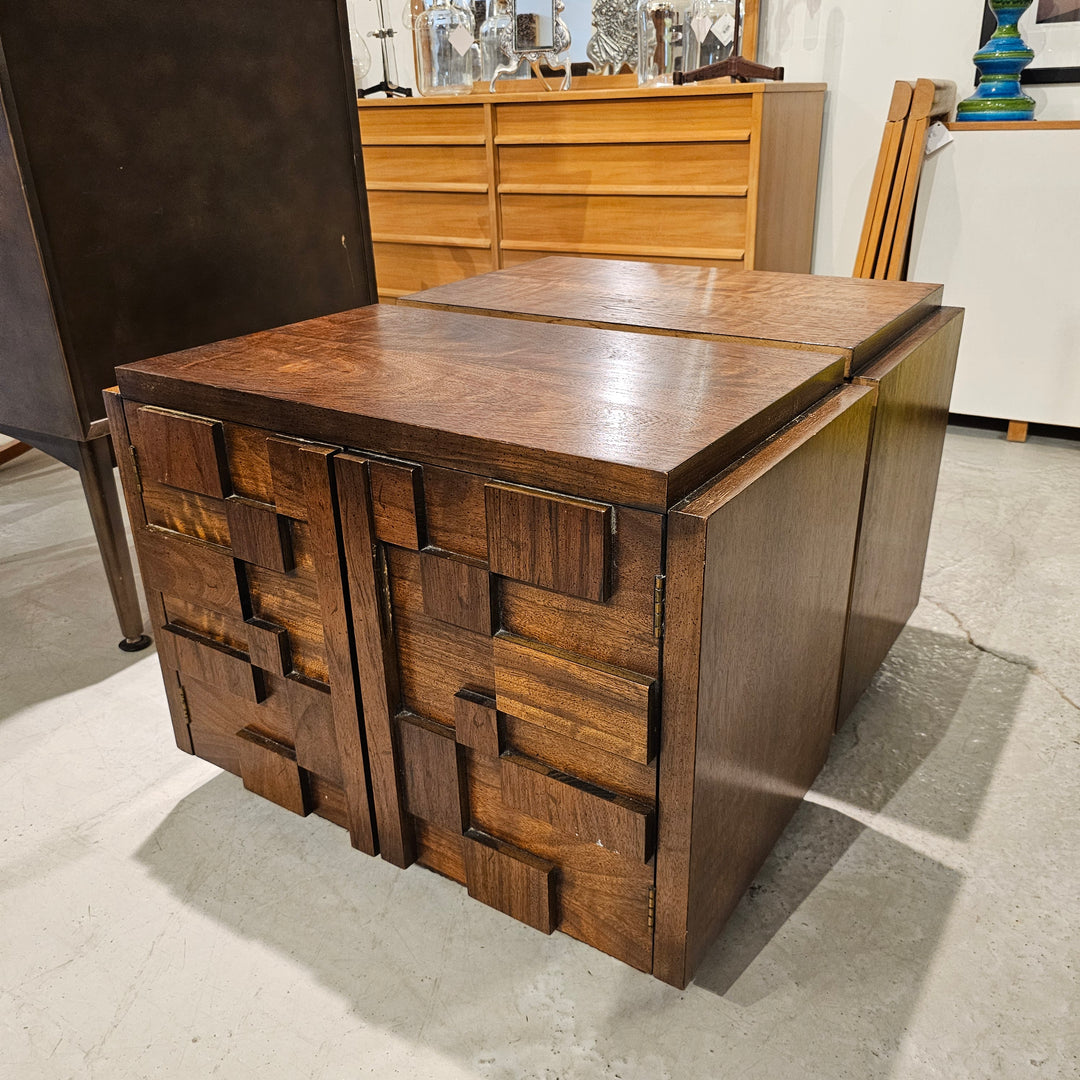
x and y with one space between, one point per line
920 917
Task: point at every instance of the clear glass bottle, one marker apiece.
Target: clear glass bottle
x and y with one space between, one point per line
491 52
446 52
712 32
663 32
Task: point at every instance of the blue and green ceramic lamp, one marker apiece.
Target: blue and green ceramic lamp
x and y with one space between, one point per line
1000 61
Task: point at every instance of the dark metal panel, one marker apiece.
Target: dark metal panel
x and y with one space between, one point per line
35 394
194 169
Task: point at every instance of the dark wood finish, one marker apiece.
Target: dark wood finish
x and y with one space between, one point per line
185 512
620 631
317 469
594 703
286 476
12 451
189 570
562 752
476 722
293 601
914 383
211 662
269 769
122 445
268 646
454 503
735 67
511 723
96 473
435 659
225 629
259 534
183 451
456 591
845 315
750 702
315 736
397 503
602 897
510 880
375 657
442 389
436 786
575 806
551 541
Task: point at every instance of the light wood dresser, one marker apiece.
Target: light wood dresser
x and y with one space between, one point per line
723 175
559 611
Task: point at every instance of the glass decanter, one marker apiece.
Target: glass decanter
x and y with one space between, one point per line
663 32
712 32
446 50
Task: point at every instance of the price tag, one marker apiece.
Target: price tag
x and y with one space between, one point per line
701 27
461 39
724 29
937 137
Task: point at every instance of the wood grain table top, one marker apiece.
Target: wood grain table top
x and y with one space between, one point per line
626 417
852 315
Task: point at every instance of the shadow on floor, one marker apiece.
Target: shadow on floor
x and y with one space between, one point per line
922 746
57 614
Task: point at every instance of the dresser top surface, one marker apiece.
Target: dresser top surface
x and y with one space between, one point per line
633 418
852 315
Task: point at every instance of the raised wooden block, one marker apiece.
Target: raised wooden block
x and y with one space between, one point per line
597 704
259 535
183 451
578 808
269 768
268 646
210 662
287 478
456 591
189 570
476 722
549 540
314 740
513 881
434 768
397 503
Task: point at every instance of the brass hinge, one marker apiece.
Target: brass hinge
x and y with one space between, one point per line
184 704
652 906
135 466
658 607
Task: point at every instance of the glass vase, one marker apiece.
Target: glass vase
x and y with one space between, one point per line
711 32
663 36
446 52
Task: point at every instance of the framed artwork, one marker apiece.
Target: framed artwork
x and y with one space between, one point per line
1052 29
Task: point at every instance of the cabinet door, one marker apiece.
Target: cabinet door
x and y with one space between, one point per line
236 534
508 663
759 571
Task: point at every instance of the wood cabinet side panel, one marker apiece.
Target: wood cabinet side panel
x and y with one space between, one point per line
788 181
914 381
780 534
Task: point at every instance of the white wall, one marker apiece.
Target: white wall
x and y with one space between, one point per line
860 48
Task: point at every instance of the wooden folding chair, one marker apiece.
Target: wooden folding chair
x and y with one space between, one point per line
886 234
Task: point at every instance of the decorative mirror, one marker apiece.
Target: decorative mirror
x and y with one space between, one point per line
536 34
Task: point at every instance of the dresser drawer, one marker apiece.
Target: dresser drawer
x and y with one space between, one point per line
661 168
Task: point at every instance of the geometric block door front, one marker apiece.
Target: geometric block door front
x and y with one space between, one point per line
508 661
236 533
